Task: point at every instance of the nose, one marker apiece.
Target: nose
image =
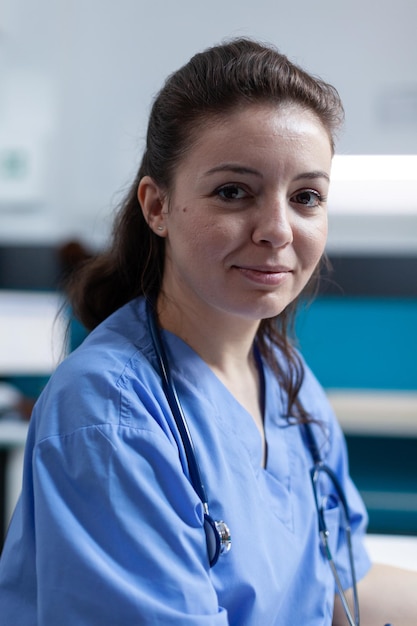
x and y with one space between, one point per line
273 225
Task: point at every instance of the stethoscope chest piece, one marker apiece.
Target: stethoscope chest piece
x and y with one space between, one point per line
218 538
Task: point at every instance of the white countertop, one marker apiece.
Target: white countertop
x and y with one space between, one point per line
397 550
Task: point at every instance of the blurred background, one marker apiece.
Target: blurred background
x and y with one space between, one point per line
77 78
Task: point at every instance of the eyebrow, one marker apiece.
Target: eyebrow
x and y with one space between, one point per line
313 175
233 167
241 169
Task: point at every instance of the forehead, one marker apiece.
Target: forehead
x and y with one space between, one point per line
253 130
278 109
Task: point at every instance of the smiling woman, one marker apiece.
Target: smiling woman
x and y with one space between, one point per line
188 405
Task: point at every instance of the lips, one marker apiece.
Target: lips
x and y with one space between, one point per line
265 274
267 269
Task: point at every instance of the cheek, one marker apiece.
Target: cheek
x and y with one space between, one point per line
194 238
212 236
311 241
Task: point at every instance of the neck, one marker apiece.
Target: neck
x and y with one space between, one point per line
223 341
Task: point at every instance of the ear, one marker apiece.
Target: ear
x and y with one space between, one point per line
154 205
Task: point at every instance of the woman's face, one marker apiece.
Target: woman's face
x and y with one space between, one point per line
246 222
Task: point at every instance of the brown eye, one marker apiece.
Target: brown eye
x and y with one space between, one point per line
307 197
231 192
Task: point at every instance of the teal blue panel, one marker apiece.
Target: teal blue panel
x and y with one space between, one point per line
361 342
385 471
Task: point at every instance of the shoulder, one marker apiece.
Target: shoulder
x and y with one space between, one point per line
109 377
313 397
312 393
325 426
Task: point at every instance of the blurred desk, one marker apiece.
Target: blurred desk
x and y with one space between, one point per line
12 439
381 434
32 334
369 412
32 342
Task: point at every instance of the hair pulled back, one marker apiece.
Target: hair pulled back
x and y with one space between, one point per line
213 83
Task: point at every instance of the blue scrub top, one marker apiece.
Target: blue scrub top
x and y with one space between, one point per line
109 530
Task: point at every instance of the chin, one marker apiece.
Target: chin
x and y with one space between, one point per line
267 309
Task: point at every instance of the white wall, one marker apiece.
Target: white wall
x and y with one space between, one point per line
77 78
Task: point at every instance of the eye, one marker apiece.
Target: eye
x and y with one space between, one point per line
308 197
231 192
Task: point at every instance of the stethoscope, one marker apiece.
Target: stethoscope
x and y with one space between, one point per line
218 537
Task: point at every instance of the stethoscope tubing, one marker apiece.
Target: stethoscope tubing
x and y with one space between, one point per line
175 406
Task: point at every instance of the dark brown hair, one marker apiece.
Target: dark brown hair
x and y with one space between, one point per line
214 82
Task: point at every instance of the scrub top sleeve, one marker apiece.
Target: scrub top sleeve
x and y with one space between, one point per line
332 444
358 516
119 530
